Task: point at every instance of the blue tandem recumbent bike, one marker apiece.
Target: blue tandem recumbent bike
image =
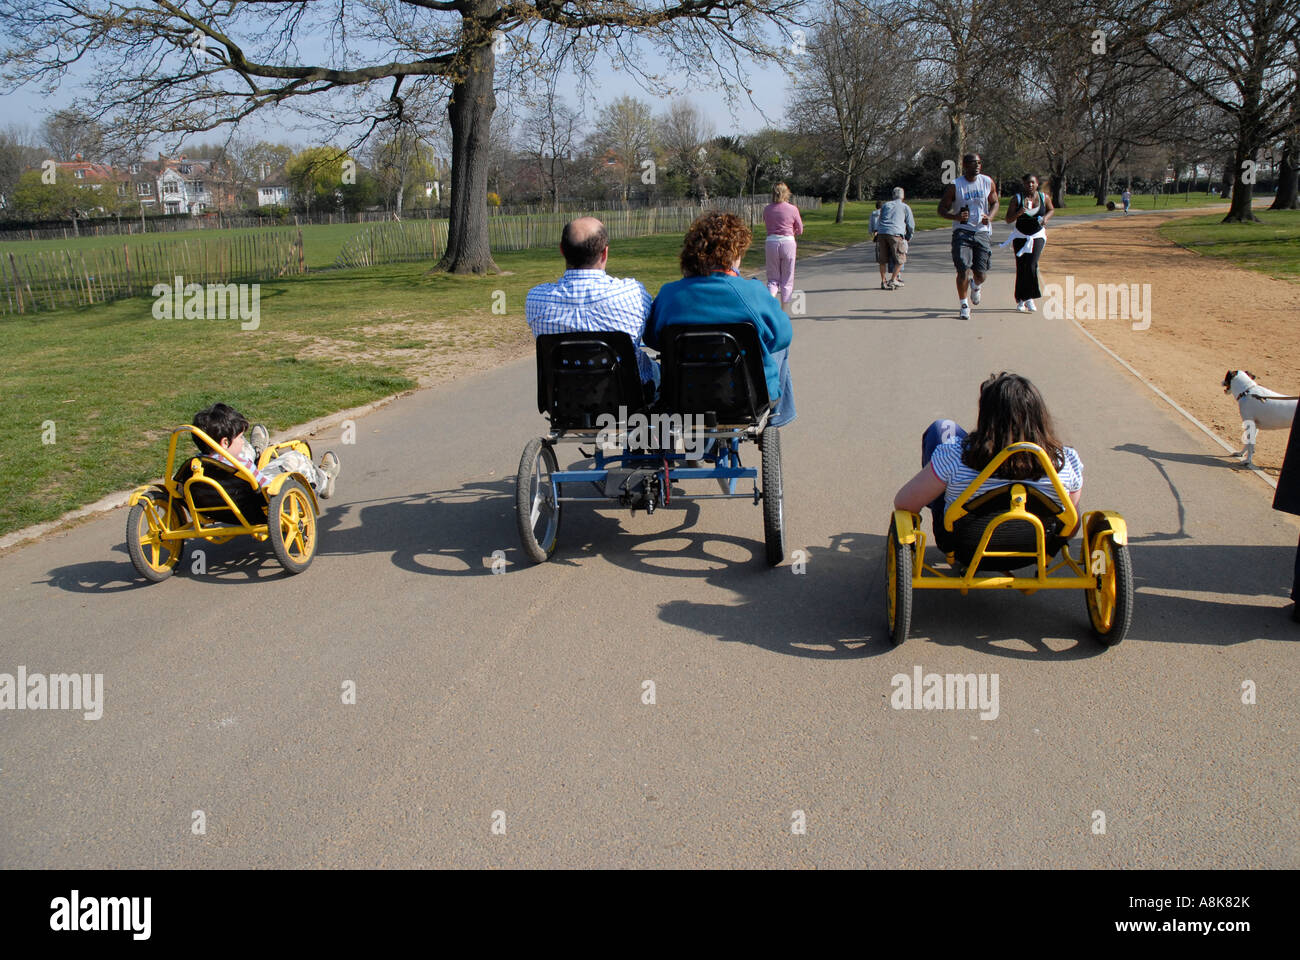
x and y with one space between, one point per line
712 400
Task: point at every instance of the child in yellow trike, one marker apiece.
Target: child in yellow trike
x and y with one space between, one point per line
267 492
1001 499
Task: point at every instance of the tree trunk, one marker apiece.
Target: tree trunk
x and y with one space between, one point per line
1241 210
470 113
1057 168
1225 183
401 190
844 195
1288 178
1103 185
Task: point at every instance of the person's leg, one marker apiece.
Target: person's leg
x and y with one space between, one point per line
772 254
1295 581
981 255
788 252
941 431
1034 287
292 461
784 412
882 260
961 260
1021 279
897 265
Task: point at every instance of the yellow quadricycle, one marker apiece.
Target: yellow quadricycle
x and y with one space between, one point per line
215 498
1015 525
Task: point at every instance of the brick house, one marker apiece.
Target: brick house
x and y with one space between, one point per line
181 185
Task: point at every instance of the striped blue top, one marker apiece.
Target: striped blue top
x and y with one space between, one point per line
592 300
948 467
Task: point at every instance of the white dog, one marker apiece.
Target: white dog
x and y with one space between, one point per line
1260 408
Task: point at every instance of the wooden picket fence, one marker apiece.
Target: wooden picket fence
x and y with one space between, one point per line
74 277
51 279
426 240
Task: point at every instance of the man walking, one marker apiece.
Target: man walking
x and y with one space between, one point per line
971 202
894 228
587 298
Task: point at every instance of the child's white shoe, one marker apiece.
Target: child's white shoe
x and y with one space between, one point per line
329 465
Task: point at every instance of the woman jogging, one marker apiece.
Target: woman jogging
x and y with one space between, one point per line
1029 212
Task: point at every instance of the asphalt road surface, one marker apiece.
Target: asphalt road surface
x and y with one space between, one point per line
516 700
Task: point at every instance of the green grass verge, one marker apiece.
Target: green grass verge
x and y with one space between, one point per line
1271 246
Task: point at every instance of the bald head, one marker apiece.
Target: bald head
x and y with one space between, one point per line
583 243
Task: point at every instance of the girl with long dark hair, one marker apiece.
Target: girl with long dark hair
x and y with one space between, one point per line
1011 410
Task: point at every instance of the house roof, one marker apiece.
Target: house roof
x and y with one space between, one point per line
90 170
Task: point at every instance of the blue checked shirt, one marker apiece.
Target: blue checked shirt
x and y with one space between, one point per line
592 300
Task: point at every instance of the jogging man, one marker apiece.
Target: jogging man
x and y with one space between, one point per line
971 202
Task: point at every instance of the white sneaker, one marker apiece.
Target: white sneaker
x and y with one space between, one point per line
1021 307
964 313
1031 306
975 294
329 466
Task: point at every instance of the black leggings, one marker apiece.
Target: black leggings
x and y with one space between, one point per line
1027 270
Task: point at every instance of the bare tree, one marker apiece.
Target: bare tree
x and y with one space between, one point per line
1237 56
684 133
624 139
549 135
67 133
1289 174
962 57
186 66
855 92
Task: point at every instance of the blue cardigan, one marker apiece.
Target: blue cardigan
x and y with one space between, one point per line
722 298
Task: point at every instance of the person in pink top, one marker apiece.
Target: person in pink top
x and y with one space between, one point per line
781 217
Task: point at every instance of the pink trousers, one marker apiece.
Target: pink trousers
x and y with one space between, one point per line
780 266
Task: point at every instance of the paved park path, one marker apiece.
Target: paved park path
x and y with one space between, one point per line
522 692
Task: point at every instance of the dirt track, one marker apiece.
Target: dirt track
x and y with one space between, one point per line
1206 317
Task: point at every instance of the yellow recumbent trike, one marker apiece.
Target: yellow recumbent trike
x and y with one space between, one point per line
986 538
216 498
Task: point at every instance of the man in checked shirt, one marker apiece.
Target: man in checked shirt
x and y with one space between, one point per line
587 298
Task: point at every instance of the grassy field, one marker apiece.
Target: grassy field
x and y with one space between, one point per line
1271 246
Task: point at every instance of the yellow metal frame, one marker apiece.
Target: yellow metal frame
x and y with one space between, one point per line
181 494
1068 573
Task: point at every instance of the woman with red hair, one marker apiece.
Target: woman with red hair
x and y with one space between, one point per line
712 291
